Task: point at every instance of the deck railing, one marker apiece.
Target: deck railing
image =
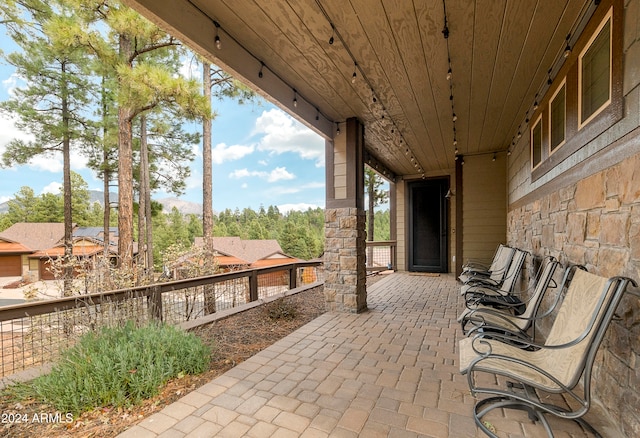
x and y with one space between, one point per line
381 255
33 334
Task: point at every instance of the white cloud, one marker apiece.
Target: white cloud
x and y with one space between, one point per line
9 131
4 199
263 162
244 185
244 173
53 187
302 206
281 133
277 174
11 83
221 152
46 162
291 189
190 68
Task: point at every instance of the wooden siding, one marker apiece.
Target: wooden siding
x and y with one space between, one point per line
484 206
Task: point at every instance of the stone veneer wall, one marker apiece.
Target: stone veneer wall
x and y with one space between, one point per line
596 222
344 258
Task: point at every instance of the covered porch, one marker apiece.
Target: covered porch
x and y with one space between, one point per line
391 371
494 122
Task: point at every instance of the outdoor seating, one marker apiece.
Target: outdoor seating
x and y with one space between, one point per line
562 365
497 286
494 313
476 265
497 269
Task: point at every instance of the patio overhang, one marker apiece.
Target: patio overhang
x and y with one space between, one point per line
304 55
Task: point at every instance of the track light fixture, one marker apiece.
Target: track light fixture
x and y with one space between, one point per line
494 157
454 117
260 72
333 31
355 74
217 38
549 80
317 114
567 49
295 98
445 30
449 74
337 128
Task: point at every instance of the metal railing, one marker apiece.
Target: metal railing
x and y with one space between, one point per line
381 255
34 333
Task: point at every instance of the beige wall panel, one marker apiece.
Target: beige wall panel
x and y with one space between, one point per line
484 205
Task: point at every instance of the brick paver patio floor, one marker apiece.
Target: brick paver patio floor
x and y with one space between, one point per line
389 372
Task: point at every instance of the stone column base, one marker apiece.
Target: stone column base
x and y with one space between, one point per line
345 273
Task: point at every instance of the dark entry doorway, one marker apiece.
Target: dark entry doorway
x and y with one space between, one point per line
428 225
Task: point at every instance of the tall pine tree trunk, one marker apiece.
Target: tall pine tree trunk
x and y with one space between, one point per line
142 226
145 234
106 175
207 191
370 225
125 174
67 274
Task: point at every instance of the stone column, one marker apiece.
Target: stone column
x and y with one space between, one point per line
345 272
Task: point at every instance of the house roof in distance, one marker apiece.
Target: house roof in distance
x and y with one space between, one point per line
35 235
250 250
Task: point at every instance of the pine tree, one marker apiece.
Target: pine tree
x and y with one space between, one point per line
53 103
142 84
373 182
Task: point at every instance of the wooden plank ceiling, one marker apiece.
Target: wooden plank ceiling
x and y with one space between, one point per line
499 52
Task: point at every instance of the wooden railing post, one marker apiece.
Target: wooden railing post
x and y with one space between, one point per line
155 303
293 276
253 286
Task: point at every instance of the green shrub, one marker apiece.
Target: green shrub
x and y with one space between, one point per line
120 367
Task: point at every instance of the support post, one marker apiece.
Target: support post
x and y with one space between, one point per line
345 280
155 303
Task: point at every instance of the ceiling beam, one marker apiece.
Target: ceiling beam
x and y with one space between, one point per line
189 24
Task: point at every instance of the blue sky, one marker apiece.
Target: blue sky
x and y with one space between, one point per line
261 156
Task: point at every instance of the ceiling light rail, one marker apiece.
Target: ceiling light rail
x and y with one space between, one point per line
449 76
224 41
379 110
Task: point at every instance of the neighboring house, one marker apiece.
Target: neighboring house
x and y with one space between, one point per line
11 254
86 250
32 237
234 253
259 254
26 248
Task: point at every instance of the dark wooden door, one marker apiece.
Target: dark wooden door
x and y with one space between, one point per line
428 226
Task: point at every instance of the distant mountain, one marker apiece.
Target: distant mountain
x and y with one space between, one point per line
184 207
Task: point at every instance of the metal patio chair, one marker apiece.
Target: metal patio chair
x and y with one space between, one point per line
502 286
562 365
497 270
493 313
